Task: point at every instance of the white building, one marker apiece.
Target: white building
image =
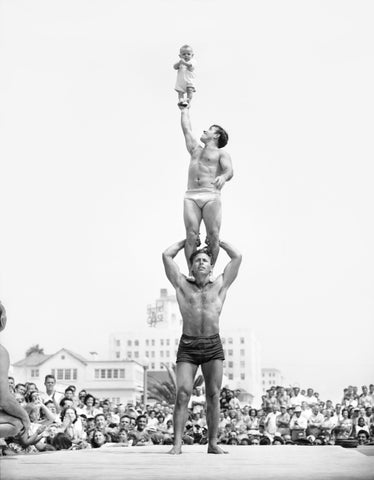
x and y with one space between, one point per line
157 344
271 377
119 380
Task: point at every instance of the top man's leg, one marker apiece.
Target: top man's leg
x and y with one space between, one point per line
185 377
213 372
212 216
192 220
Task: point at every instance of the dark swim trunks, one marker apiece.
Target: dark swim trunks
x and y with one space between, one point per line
198 350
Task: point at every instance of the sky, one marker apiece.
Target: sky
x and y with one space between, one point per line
94 169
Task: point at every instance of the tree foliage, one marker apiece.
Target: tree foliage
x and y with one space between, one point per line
166 391
34 349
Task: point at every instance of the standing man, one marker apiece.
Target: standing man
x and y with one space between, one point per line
210 168
13 418
200 304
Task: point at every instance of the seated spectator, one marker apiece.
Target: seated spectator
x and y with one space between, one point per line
72 426
88 409
315 421
51 392
283 421
298 424
345 425
140 436
328 423
98 439
362 437
361 425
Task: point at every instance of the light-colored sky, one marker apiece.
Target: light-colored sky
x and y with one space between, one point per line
94 168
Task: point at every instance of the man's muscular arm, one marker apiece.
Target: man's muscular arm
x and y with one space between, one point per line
232 268
171 268
227 170
191 142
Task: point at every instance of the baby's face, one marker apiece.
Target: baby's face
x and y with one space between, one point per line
186 54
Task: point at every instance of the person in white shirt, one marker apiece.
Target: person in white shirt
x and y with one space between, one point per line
298 421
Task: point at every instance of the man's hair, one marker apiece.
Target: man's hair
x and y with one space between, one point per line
139 417
223 136
201 250
185 47
49 376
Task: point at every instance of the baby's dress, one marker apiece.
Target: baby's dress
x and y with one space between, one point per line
185 78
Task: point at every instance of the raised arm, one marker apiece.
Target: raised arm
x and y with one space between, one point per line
171 268
191 142
232 268
226 170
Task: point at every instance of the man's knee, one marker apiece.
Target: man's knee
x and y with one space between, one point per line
213 236
183 395
191 235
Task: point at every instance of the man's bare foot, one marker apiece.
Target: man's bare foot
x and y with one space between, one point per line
176 450
217 450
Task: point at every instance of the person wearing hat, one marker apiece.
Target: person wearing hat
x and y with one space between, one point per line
298 423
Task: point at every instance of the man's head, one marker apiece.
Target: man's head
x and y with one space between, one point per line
362 437
100 421
186 53
49 382
141 422
201 262
2 317
217 134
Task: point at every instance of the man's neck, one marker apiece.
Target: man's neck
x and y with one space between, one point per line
201 281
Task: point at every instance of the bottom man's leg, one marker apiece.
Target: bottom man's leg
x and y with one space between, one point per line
185 376
212 215
9 426
192 220
212 372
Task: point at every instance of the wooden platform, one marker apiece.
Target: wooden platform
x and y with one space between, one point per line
242 462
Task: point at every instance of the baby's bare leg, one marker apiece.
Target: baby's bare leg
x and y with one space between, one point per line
190 92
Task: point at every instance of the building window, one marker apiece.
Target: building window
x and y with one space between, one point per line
231 376
121 373
167 342
129 354
118 354
97 371
136 343
60 374
242 340
147 353
152 366
162 342
230 340
129 343
242 352
118 343
242 364
62 357
115 373
242 376
35 372
147 342
231 364
102 373
136 354
230 352
153 342
67 374
109 373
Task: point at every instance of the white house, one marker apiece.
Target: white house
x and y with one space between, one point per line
119 380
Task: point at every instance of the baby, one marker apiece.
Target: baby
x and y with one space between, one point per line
185 77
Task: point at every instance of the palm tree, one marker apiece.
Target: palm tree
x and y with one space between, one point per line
34 349
166 391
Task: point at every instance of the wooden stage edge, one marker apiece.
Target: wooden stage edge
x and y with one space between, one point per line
152 463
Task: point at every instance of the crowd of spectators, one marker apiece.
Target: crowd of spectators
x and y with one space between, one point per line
287 416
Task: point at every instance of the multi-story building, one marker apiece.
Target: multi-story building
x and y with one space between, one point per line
156 346
271 377
119 380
